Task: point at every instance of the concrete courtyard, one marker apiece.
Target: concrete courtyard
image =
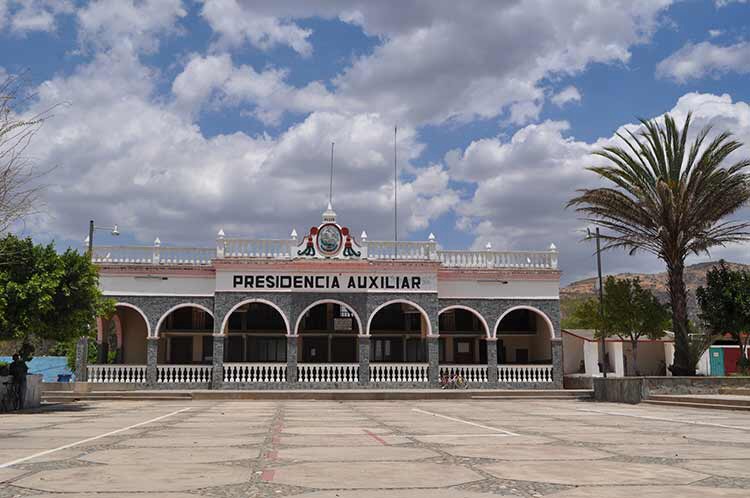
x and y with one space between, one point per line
326 449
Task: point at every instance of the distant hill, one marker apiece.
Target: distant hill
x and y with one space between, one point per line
695 276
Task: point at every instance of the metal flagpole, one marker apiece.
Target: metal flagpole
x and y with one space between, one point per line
395 191
330 186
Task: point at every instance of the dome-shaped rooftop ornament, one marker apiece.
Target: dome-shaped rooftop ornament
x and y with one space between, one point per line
329 216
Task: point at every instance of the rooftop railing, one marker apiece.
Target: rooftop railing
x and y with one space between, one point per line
286 249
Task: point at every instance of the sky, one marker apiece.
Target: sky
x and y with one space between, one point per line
177 118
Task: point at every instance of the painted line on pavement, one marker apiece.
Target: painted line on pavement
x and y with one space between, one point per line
458 435
71 445
465 422
664 419
375 437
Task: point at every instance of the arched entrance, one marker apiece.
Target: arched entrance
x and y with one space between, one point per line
122 337
327 333
463 336
524 337
185 335
255 332
398 332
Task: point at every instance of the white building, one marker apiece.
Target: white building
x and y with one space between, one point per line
328 309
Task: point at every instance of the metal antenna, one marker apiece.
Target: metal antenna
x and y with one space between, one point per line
330 186
395 190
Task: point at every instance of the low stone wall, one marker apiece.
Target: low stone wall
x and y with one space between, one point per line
693 385
620 389
33 395
578 381
636 389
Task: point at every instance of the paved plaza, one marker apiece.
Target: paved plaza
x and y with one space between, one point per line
327 449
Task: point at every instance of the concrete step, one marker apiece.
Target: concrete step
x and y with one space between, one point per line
682 404
706 399
735 391
331 394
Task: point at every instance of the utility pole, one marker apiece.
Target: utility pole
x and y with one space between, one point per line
602 344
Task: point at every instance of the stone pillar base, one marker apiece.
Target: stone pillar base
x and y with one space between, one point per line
82 359
217 372
152 356
291 358
363 343
433 358
557 363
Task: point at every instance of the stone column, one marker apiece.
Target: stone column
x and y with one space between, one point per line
433 358
291 358
492 361
557 363
152 356
217 372
363 341
82 358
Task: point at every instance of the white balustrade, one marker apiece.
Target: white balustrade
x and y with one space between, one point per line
399 372
327 372
524 373
260 248
116 374
383 249
287 249
155 255
470 373
499 259
183 374
255 372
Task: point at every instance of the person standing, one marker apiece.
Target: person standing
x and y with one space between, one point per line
18 371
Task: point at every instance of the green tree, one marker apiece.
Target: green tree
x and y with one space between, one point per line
631 312
725 307
47 295
580 313
671 199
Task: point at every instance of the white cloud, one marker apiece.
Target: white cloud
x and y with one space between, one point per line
131 24
713 33
26 16
436 63
236 27
566 95
703 59
214 81
128 157
523 184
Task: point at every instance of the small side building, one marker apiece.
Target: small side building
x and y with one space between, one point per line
581 354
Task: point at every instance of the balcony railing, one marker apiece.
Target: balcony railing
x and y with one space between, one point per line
514 374
255 372
117 374
470 373
399 372
286 249
183 374
327 372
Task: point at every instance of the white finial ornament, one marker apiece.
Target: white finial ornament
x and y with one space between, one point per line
221 233
329 215
293 235
363 236
431 237
488 246
157 242
552 247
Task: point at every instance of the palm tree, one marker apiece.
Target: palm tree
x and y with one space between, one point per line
671 202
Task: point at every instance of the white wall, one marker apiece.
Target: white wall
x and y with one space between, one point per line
131 285
572 353
518 289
